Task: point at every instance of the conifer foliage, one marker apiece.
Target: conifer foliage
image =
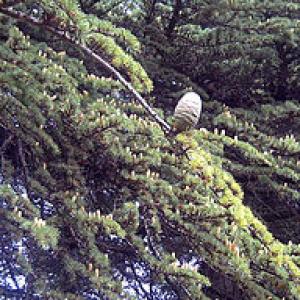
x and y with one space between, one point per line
98 202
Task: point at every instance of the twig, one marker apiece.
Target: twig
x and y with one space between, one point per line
13 277
138 281
2 151
106 11
5 144
23 162
65 36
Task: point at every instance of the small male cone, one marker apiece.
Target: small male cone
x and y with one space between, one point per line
187 112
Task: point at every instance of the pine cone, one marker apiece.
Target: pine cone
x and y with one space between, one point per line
187 112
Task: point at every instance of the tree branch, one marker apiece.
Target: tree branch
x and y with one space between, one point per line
174 19
136 277
150 15
5 144
106 11
3 147
10 3
182 292
66 36
23 162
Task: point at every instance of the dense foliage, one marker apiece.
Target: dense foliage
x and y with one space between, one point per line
97 201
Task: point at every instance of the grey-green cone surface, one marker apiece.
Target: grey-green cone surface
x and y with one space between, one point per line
187 112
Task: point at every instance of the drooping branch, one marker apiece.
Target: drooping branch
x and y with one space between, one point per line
66 36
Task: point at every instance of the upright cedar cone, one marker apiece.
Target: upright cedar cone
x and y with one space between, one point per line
187 112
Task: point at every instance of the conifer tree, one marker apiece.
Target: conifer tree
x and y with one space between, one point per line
240 52
98 201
